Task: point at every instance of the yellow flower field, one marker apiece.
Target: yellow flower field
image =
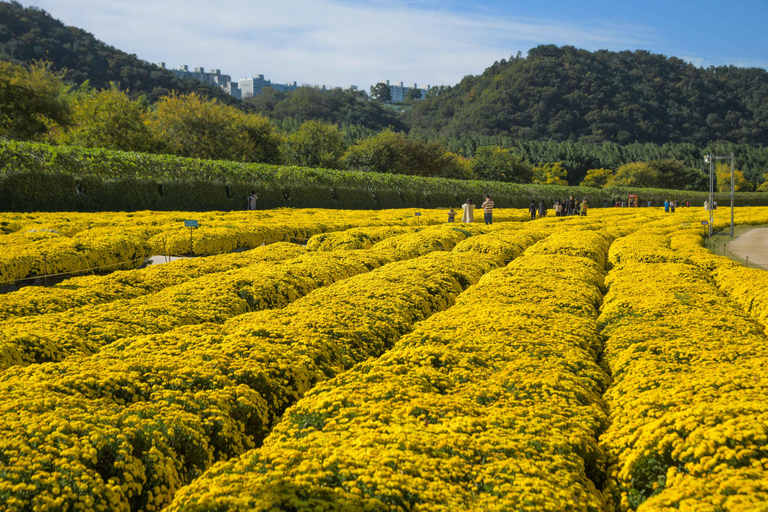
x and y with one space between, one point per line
383 361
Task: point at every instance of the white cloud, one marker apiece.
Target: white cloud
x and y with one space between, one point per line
329 42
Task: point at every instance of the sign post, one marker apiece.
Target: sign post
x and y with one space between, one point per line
192 225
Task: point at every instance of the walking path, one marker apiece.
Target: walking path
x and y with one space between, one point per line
753 243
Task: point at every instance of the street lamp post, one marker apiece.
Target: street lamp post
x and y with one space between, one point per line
711 160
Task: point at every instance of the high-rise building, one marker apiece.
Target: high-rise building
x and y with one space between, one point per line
399 92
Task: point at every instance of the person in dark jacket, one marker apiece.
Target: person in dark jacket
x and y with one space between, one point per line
542 209
532 210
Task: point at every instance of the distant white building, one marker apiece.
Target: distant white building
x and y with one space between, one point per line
252 86
398 92
213 77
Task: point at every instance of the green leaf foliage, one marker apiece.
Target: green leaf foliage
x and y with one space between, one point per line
563 93
32 101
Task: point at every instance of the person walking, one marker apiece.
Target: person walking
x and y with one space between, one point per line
532 210
557 207
542 209
571 205
252 200
468 217
584 207
666 205
672 206
488 209
451 215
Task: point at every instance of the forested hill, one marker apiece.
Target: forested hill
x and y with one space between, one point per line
563 93
28 34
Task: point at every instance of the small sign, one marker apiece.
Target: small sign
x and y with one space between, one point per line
704 222
190 223
418 214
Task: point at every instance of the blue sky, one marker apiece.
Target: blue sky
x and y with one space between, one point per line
338 43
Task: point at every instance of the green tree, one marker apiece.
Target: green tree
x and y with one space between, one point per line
189 125
378 153
458 167
634 175
673 174
391 152
550 173
380 92
108 119
494 163
315 144
597 178
413 94
723 173
32 101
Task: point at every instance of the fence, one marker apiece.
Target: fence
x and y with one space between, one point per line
723 250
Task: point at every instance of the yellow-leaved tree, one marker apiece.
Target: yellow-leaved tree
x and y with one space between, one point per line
550 173
764 185
723 173
597 178
107 119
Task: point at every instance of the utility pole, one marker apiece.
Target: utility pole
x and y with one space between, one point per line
733 193
711 160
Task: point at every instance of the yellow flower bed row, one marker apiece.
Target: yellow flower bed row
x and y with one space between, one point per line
76 241
748 287
125 428
210 298
688 409
356 238
493 404
38 253
504 243
434 238
128 284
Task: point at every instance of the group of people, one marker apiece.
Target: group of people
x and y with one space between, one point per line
669 206
468 211
571 206
562 209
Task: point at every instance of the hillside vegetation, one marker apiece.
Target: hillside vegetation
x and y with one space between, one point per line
563 93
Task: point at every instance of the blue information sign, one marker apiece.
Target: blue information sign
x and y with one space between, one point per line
190 223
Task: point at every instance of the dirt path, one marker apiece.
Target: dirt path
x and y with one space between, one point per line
753 243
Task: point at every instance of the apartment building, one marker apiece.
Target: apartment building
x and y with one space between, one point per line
212 77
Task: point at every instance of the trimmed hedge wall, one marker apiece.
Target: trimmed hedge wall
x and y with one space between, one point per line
40 177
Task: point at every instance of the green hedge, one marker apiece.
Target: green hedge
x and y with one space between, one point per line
40 177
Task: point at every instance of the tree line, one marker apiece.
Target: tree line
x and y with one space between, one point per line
36 103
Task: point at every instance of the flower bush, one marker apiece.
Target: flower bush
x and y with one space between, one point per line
394 363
